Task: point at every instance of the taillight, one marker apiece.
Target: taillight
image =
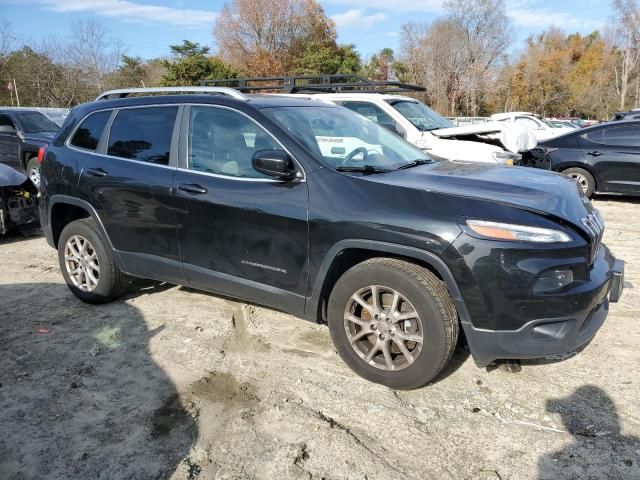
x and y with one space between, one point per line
41 152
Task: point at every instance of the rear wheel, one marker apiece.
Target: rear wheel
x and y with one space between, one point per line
393 322
87 263
583 178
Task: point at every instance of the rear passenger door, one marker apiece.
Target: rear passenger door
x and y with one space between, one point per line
614 152
127 178
241 233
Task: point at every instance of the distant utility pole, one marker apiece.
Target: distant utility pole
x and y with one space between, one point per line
15 87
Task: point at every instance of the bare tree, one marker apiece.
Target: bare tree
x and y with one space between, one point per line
627 43
93 52
458 55
486 37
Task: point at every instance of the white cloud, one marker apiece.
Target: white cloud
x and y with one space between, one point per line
134 12
524 13
356 18
392 5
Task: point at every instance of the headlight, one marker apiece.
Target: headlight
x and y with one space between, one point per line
507 158
508 231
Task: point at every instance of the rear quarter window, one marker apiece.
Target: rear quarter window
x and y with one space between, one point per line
88 134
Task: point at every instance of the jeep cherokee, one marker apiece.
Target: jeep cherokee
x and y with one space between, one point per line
314 210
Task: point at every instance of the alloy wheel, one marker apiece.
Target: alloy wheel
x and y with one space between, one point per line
383 328
34 176
81 261
581 179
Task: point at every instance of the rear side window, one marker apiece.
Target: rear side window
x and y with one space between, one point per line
88 134
143 134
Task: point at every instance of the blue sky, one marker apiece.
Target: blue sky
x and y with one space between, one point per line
148 26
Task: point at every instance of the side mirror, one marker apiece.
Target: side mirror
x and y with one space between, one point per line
274 163
7 129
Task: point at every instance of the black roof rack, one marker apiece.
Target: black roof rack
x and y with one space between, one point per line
313 84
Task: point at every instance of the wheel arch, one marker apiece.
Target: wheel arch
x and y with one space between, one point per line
64 210
348 253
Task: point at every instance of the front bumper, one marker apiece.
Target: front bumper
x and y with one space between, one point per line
548 336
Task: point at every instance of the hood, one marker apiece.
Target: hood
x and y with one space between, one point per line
513 137
536 190
10 177
44 137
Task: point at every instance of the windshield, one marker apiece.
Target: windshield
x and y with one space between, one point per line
421 116
33 122
345 139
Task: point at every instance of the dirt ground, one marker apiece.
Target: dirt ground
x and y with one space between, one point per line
172 383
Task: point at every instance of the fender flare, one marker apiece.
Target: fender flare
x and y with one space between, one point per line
431 259
93 214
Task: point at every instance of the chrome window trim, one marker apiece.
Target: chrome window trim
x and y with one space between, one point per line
114 110
245 179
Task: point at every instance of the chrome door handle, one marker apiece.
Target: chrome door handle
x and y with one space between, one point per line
594 153
96 172
192 188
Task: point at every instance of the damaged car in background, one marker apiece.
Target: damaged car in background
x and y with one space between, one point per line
490 142
18 206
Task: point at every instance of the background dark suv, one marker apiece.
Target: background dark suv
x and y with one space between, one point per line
22 133
314 210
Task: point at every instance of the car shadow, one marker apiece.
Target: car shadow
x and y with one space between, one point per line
603 197
80 394
598 448
21 234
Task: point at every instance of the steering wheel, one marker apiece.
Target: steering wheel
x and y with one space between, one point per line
358 150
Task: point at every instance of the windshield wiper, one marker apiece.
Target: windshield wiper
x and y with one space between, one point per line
363 169
415 163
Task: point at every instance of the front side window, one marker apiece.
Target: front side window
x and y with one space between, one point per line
143 134
90 130
224 142
374 113
344 139
421 116
528 122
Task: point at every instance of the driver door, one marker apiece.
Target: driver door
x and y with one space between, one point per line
240 232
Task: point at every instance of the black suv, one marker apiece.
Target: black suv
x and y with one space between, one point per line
314 210
22 134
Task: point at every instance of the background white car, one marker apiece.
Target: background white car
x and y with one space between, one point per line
492 142
541 129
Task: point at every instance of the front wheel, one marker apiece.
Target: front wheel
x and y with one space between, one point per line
87 263
393 322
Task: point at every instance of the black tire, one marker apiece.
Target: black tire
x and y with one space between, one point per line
33 164
430 299
584 179
111 281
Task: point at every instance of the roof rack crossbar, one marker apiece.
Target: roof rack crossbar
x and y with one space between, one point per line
125 92
314 84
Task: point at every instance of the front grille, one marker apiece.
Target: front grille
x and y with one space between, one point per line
594 225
